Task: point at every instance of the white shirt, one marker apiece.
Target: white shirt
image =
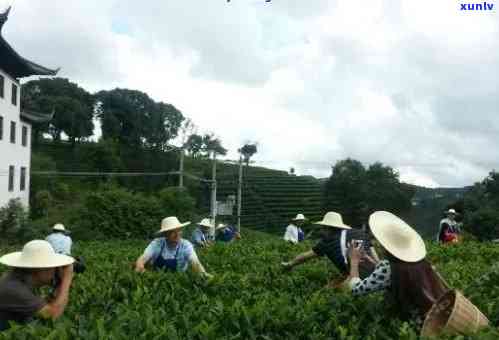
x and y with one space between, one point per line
60 242
291 233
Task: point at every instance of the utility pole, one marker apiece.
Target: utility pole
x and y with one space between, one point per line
181 169
214 189
239 193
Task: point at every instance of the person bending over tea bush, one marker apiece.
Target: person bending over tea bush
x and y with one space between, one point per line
334 241
36 266
170 251
60 240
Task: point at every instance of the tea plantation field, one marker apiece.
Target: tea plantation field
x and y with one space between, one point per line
249 297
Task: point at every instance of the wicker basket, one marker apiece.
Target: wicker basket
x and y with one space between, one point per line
453 314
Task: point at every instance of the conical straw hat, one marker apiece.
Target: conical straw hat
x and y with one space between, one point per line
36 254
333 219
397 237
171 223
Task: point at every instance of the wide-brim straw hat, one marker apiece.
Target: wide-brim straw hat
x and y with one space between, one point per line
333 219
171 223
451 211
36 254
60 227
221 226
206 222
397 237
299 217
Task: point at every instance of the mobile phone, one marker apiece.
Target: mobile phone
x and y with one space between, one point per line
358 243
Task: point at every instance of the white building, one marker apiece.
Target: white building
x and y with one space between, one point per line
15 124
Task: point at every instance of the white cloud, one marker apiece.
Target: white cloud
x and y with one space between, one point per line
411 84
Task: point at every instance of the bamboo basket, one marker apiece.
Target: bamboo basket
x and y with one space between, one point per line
453 314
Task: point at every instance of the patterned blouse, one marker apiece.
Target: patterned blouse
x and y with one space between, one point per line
380 279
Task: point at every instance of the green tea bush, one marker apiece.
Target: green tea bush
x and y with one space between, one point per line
248 298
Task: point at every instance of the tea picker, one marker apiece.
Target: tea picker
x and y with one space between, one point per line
201 236
294 233
169 251
226 233
335 238
448 231
62 243
415 289
33 267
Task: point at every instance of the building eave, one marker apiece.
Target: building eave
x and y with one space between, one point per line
14 64
36 117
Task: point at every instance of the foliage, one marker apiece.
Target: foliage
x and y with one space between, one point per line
247 151
194 145
132 118
104 156
112 211
249 297
356 192
117 212
13 217
42 201
481 208
71 104
205 145
177 202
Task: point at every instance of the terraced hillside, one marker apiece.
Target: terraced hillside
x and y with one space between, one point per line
270 197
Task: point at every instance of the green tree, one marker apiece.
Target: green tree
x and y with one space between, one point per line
356 192
213 145
132 118
71 104
194 145
481 206
247 151
345 190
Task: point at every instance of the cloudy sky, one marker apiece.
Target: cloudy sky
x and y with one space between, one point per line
413 84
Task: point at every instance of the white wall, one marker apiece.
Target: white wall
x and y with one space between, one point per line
13 154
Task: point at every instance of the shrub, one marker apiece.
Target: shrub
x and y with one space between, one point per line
484 223
117 212
41 203
177 202
13 217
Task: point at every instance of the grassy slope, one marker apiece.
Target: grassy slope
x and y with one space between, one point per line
248 298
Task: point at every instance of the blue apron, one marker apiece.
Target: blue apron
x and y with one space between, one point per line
166 264
301 235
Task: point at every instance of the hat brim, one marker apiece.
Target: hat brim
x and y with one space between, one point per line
16 260
340 226
62 231
180 226
205 225
299 219
383 224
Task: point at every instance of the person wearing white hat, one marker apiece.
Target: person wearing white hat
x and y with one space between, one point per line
448 231
35 266
335 238
226 233
201 236
294 233
409 278
62 243
169 251
60 240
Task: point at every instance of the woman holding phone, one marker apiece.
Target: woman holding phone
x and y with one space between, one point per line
408 277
